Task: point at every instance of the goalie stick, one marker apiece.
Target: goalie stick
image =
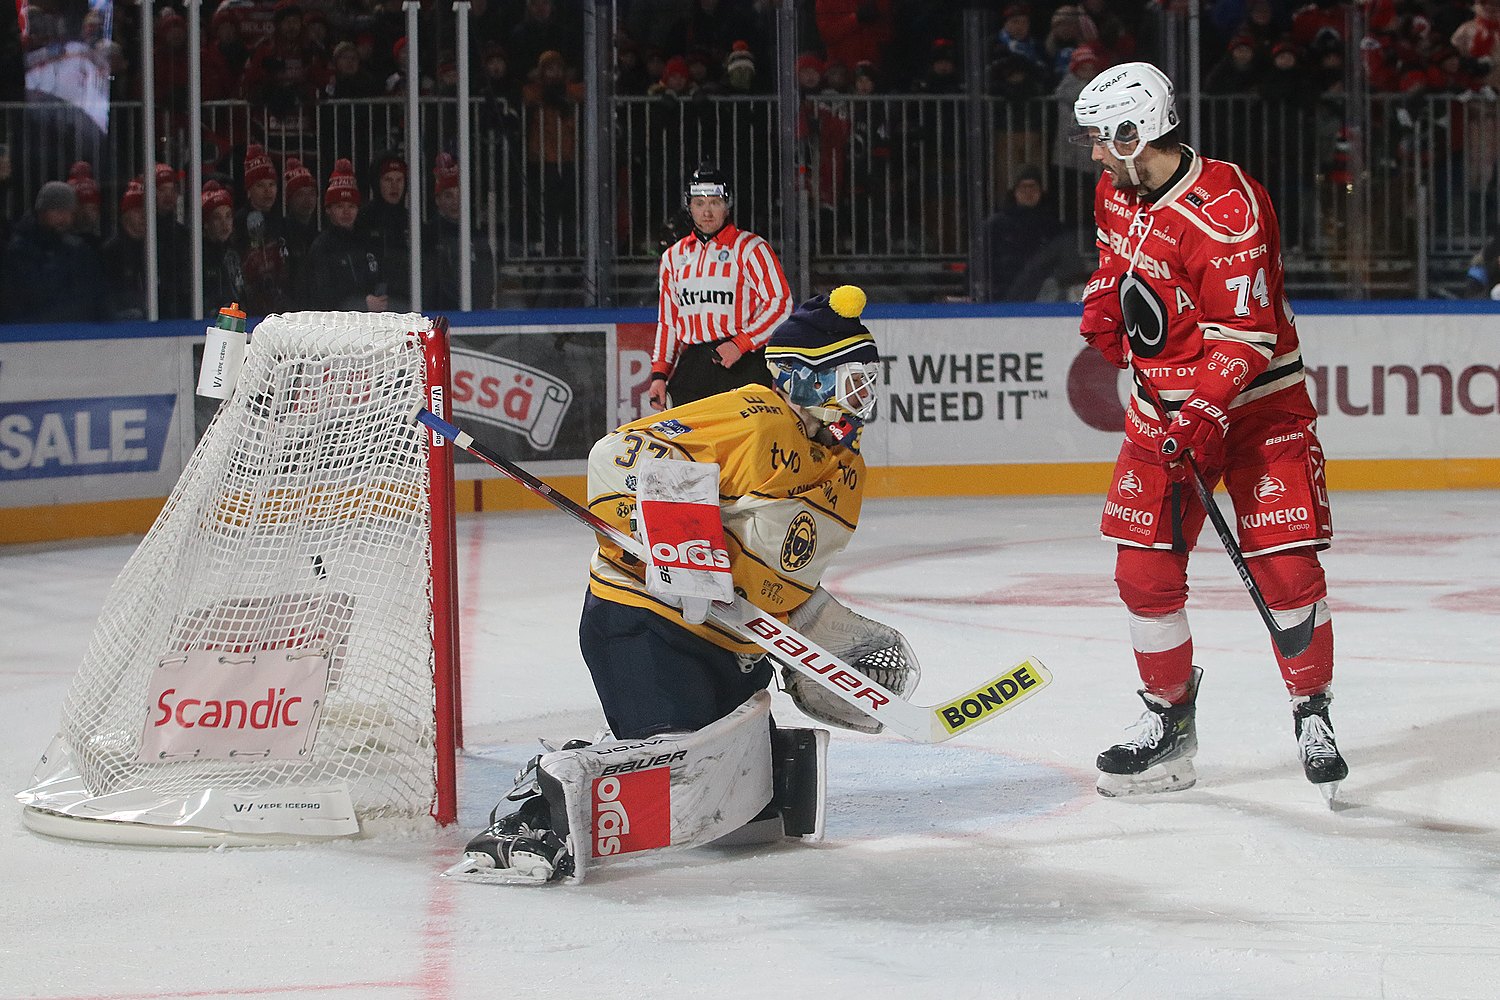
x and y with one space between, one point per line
920 723
1289 641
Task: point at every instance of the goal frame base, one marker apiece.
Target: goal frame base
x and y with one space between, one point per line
115 832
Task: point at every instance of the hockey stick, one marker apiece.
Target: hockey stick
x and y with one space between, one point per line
1289 641
921 723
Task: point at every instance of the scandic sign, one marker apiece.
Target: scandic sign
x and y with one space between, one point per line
211 704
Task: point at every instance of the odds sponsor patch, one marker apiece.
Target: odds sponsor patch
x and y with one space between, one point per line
995 696
632 812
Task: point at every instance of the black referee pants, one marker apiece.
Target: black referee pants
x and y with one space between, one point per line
698 373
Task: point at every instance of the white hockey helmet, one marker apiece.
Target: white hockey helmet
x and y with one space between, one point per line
1127 102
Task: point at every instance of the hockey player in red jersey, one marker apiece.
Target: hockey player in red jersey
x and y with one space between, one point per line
1189 296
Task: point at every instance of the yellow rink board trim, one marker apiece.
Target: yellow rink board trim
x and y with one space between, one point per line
994 696
127 517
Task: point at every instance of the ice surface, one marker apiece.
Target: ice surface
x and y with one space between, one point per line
986 867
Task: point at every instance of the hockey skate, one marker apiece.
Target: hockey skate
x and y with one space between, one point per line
1158 756
1321 760
521 848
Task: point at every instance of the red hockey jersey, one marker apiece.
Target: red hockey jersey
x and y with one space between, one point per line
1194 269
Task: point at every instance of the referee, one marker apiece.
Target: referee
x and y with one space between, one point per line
722 293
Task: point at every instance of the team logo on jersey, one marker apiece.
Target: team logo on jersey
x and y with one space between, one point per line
800 543
1270 489
1229 213
723 256
1129 485
1145 316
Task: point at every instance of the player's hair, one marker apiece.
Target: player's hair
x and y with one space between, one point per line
1171 142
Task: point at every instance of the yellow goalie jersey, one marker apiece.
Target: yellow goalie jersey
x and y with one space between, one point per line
789 504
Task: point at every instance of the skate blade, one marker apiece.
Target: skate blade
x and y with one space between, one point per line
1330 790
480 869
1168 776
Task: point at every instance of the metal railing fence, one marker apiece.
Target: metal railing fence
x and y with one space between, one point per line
1387 198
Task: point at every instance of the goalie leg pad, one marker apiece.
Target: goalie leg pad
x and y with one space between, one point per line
672 790
799 768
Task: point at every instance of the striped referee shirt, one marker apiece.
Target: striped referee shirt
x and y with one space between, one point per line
731 287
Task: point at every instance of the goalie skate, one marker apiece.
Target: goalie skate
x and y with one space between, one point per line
519 849
1158 756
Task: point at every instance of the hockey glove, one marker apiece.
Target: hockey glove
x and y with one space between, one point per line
694 609
1199 427
1203 421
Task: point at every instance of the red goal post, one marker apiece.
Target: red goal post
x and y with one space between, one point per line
278 660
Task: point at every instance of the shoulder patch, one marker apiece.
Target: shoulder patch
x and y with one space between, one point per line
1230 213
670 428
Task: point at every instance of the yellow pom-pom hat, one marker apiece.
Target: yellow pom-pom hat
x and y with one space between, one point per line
825 332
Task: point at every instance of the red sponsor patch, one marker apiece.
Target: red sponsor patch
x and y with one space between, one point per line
1229 213
685 535
632 812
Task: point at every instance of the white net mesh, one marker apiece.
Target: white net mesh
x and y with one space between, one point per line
300 522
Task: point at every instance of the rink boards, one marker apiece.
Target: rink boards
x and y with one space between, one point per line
97 422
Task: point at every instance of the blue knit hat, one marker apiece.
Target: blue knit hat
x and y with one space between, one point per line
821 336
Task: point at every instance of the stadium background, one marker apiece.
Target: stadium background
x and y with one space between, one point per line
894 171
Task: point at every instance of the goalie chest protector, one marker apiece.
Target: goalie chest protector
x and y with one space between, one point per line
789 504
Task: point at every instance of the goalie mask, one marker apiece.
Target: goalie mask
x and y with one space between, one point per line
824 360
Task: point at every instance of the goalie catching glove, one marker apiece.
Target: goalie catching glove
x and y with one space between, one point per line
878 651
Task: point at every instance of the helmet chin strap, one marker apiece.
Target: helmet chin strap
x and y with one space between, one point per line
1128 160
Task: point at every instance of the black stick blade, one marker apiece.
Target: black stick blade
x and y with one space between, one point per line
1294 641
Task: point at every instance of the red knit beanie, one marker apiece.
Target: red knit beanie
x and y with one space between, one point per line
258 167
81 178
297 176
134 196
214 196
342 188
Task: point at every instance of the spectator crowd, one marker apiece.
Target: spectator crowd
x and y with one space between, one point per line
329 228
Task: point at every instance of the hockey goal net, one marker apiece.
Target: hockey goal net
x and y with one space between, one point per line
277 658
